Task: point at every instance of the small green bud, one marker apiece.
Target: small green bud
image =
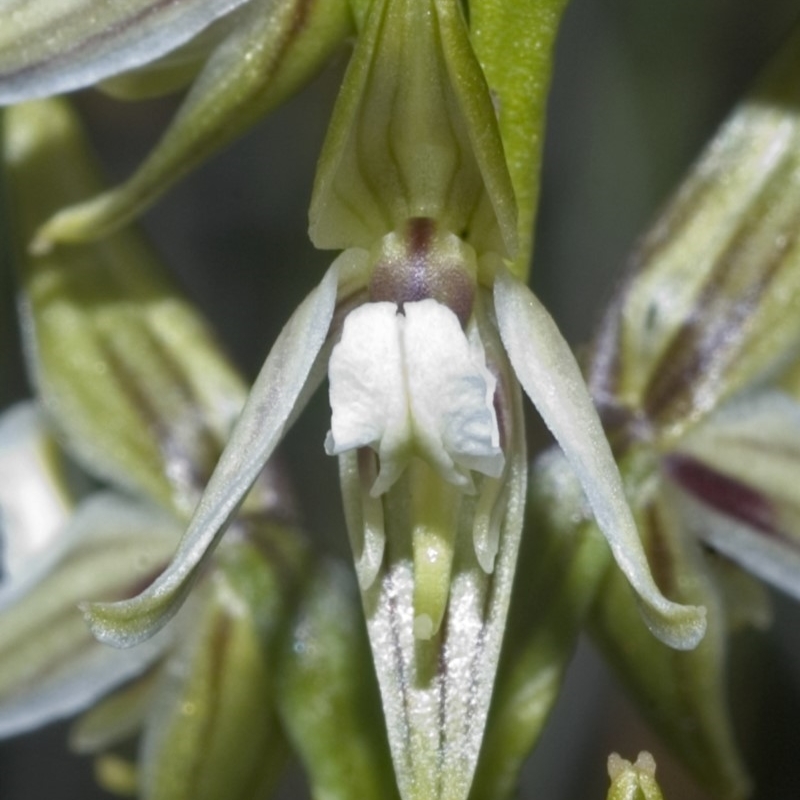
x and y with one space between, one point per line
635 781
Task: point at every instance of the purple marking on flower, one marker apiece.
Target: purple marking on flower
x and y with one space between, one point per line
727 495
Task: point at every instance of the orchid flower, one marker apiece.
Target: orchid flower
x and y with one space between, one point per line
426 336
693 370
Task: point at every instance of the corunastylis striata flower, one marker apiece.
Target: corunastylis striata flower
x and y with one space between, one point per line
426 336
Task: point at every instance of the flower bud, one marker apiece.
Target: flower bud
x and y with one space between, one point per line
635 781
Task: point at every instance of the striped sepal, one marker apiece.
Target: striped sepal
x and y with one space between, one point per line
713 298
53 46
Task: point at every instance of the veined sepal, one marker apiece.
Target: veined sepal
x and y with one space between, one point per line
125 369
712 303
50 665
413 134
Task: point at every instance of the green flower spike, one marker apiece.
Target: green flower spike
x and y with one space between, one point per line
426 337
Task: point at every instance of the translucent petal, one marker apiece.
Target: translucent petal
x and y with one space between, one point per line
280 390
53 46
50 666
550 376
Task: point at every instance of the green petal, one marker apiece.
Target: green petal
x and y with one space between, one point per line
683 694
289 375
550 376
53 46
273 50
561 562
50 666
328 697
413 134
514 43
126 369
713 300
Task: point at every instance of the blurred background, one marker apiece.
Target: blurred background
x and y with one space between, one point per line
639 86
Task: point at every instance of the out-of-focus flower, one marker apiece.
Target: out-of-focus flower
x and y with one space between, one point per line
686 371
